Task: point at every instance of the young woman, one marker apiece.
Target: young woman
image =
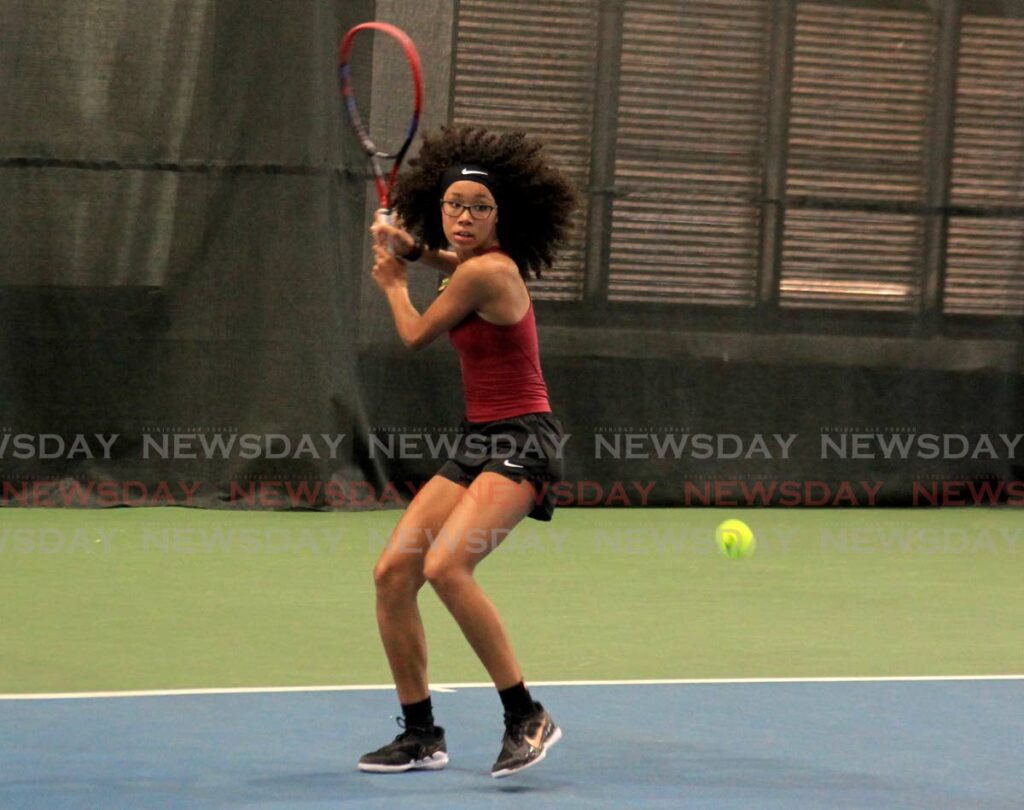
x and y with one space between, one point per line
486 209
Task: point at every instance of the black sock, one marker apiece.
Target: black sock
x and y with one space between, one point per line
419 715
516 699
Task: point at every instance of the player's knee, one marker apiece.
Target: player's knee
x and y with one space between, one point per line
396 577
444 575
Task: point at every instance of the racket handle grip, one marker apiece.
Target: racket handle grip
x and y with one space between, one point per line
387 216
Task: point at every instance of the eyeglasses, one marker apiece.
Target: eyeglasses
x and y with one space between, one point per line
454 208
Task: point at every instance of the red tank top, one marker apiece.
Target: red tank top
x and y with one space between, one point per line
501 375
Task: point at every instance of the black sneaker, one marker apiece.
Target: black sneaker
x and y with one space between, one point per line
414 748
526 742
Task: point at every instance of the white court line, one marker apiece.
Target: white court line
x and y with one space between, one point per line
452 687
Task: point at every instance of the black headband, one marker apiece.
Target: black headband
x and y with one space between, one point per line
468 171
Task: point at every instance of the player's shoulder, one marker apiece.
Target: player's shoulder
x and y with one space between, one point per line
489 267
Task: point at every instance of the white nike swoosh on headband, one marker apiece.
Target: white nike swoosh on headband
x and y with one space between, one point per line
510 464
473 171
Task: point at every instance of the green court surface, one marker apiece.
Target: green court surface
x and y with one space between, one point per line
178 599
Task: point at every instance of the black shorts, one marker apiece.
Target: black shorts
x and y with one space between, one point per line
521 448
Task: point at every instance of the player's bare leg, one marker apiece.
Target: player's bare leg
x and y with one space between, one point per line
398 577
477 525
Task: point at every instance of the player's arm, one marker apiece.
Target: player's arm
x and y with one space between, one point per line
444 260
470 289
404 245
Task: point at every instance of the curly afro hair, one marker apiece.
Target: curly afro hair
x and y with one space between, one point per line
535 200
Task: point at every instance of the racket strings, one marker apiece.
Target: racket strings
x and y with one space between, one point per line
375 154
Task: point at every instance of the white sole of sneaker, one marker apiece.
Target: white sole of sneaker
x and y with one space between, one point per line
556 735
432 763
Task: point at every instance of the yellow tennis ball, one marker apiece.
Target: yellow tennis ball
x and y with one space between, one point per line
735 539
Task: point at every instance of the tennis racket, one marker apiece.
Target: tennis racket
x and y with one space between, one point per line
377 157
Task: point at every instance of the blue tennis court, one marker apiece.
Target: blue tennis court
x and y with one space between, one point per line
871 744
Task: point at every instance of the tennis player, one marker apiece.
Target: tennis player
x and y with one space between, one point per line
486 209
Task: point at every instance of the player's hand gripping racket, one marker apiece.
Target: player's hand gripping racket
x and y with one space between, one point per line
377 156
